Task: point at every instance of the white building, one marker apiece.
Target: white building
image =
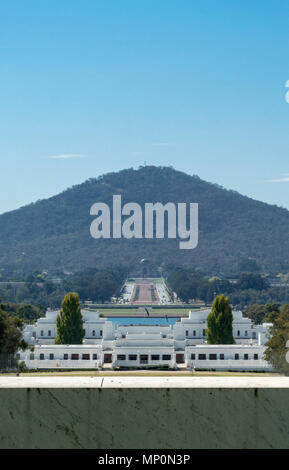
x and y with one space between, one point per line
182 344
44 330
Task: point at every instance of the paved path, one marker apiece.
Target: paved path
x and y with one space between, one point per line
145 293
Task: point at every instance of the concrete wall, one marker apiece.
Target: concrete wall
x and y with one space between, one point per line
136 412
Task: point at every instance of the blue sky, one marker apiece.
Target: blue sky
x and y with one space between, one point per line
94 86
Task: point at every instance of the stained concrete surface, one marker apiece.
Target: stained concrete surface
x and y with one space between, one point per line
144 413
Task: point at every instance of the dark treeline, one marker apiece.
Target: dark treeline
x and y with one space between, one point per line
97 285
250 288
263 313
25 312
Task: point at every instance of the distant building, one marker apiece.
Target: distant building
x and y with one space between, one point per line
145 267
183 343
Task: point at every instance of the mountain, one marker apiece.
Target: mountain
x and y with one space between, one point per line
234 230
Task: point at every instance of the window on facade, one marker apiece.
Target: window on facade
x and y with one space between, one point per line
85 357
202 357
143 359
41 333
41 356
51 356
237 357
193 357
194 333
213 357
222 357
65 356
49 333
93 332
83 332
166 357
132 357
121 357
246 333
100 333
254 335
31 357
246 357
238 333
187 333
204 332
256 357
155 357
74 357
94 357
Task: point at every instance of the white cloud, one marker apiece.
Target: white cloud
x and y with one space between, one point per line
281 180
66 156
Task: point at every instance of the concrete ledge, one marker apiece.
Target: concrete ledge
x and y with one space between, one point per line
144 382
144 413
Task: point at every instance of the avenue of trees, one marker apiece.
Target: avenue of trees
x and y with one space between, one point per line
100 284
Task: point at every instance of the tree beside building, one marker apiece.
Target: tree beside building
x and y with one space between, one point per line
69 322
11 339
220 322
277 347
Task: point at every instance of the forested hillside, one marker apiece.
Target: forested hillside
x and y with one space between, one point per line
236 233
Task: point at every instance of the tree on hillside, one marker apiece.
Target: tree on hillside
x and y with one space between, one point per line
28 312
219 321
252 281
249 265
69 325
260 313
277 352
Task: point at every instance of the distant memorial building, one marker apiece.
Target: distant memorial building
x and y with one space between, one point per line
145 268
